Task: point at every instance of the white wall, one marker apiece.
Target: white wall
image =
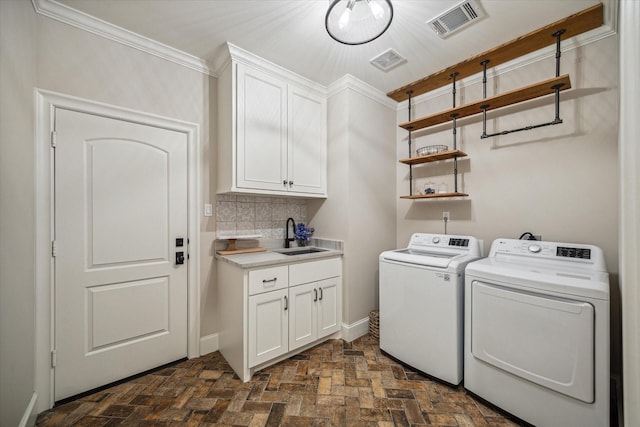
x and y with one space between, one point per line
17 209
39 52
559 181
359 209
76 62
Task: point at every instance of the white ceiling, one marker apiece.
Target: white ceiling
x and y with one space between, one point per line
291 33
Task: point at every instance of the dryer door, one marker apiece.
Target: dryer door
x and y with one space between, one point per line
544 339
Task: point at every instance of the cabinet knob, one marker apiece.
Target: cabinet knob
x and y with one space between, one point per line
315 291
286 302
320 294
290 183
284 182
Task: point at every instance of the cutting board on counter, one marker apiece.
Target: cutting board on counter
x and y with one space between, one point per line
240 251
231 245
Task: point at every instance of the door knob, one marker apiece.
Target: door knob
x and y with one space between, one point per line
179 257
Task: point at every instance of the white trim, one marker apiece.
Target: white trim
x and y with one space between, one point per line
209 344
350 82
629 208
46 102
355 330
29 416
243 56
63 13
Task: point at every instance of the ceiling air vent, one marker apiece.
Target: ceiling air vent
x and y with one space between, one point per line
456 18
387 60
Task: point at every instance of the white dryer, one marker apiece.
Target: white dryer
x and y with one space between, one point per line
537 332
422 303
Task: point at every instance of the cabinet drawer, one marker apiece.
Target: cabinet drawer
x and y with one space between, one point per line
268 279
315 270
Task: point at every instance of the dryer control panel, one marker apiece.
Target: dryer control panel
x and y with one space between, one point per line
570 253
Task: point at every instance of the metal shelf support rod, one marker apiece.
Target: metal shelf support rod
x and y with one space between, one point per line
455 131
484 96
558 34
410 92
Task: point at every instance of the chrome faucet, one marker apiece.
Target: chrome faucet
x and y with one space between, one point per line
288 239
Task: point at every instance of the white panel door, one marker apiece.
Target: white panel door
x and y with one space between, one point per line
120 204
261 131
307 142
302 318
268 326
329 309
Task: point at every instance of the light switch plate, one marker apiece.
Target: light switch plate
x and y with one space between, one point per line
208 209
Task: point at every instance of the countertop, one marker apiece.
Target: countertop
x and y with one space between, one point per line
270 257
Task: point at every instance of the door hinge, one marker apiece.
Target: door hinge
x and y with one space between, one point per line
53 138
53 358
54 249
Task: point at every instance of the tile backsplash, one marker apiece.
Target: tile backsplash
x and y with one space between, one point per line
267 216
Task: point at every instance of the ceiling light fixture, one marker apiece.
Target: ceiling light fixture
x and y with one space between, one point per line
356 22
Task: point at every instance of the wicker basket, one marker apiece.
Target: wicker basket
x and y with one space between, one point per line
374 324
431 149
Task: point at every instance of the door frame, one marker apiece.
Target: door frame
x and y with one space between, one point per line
46 102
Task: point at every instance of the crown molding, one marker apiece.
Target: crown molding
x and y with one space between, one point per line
350 82
237 54
54 10
60 12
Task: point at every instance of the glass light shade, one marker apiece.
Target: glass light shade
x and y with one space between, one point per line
356 22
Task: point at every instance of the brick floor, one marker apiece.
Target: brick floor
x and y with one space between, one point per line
333 384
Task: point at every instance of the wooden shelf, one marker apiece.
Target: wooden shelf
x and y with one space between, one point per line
573 25
434 196
444 155
515 96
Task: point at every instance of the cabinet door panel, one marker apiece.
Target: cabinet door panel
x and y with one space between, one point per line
329 308
302 316
307 142
268 326
261 130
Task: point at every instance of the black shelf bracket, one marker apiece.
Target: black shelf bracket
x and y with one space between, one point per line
556 121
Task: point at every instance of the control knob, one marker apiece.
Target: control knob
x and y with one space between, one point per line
535 248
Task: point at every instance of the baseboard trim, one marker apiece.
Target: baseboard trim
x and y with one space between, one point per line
209 344
355 330
29 416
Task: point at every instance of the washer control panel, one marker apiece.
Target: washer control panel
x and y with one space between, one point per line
425 240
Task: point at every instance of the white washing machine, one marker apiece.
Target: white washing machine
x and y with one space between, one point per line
422 303
537 332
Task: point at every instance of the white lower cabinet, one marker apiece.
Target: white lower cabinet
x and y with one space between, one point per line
302 316
314 311
270 313
268 326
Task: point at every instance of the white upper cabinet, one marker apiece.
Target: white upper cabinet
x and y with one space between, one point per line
272 130
307 137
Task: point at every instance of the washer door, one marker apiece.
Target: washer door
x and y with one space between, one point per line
544 339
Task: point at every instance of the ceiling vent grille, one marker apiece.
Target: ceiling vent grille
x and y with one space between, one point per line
456 18
387 60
